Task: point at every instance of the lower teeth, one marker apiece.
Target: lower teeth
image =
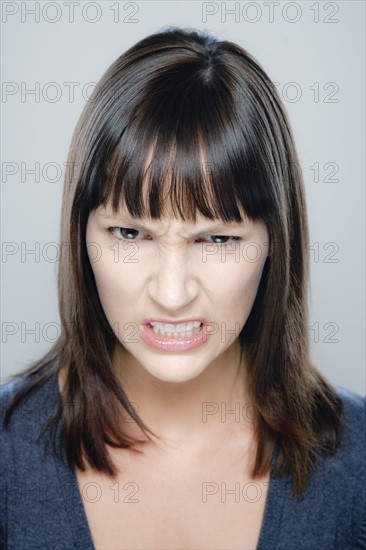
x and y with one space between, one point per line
195 330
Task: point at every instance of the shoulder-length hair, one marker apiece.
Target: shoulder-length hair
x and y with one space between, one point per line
182 93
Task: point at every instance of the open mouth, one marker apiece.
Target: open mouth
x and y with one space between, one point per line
177 338
181 330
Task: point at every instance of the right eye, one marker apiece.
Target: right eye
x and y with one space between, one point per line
124 233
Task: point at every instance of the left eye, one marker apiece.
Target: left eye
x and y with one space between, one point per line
223 238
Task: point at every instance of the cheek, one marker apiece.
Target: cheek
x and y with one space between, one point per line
117 282
118 285
241 286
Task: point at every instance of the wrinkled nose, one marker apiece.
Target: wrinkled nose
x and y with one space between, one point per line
173 284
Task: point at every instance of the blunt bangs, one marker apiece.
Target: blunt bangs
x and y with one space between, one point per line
194 135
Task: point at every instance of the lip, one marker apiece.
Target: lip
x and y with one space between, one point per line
169 344
174 322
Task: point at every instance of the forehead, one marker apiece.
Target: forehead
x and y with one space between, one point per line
168 214
165 181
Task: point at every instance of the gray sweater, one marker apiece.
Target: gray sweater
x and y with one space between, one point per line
42 508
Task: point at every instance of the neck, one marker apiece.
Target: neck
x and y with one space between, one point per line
212 406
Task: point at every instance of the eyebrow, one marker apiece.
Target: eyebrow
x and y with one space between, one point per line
138 223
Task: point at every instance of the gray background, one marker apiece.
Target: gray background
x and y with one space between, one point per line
313 50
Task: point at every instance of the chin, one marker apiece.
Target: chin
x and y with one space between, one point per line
177 373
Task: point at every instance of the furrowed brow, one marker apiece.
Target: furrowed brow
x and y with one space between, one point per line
143 225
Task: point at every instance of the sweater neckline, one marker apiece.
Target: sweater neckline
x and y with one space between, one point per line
78 521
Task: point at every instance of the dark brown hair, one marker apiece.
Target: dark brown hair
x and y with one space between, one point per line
182 93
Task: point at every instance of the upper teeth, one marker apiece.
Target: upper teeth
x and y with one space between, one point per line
180 327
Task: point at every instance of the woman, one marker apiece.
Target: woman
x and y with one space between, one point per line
180 399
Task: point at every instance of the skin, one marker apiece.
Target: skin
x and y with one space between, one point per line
170 280
172 391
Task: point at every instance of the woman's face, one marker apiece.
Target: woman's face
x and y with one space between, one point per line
170 272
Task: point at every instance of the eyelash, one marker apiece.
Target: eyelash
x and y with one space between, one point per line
111 229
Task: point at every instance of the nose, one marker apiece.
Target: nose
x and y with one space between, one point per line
173 284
